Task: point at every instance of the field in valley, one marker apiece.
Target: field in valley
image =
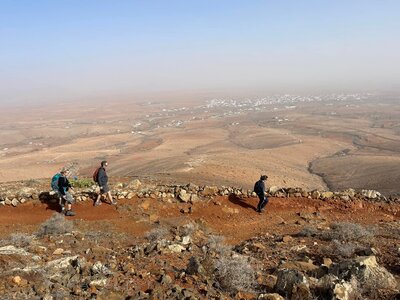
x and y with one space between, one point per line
334 141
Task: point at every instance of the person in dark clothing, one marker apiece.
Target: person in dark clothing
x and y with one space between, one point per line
102 180
259 189
63 188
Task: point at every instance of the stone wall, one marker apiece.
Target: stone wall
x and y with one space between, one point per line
19 194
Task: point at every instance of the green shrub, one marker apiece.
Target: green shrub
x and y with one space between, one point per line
82 183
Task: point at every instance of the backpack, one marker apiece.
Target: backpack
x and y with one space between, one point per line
54 182
257 188
96 175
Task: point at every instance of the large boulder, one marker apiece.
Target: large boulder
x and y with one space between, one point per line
134 184
184 196
195 267
374 276
273 189
315 194
274 296
288 280
367 271
326 195
209 191
371 194
343 291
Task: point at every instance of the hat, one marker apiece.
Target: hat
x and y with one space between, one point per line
64 170
263 177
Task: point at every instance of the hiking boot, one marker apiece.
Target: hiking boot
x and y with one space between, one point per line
69 213
62 209
97 203
113 202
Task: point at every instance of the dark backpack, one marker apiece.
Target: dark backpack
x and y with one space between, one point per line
257 188
96 175
54 182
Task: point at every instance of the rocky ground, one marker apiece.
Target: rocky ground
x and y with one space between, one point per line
191 242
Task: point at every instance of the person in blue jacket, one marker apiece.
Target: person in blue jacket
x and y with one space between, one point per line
259 189
64 186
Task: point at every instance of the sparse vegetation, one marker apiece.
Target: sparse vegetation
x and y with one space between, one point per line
308 231
234 274
346 249
189 228
82 183
32 182
157 234
342 231
18 240
57 224
345 231
216 244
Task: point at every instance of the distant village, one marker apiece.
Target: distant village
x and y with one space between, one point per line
225 107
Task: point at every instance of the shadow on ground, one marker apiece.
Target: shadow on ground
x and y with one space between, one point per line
50 200
239 201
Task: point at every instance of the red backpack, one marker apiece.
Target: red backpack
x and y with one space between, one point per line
96 175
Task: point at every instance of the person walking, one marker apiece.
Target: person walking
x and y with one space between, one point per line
259 189
102 181
64 186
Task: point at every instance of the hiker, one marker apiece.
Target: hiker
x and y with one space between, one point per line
54 187
102 180
63 188
259 189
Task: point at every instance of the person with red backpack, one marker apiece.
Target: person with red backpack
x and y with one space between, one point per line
101 178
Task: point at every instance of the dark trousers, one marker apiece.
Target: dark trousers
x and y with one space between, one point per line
263 201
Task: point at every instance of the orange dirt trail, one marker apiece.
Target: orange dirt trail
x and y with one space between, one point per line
231 217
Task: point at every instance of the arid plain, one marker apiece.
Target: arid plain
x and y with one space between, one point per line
332 142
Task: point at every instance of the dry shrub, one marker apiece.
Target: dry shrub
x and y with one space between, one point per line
234 274
347 249
189 229
17 240
308 231
157 234
216 244
32 183
21 239
389 230
57 224
344 231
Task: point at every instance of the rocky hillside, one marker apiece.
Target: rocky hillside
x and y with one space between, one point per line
198 242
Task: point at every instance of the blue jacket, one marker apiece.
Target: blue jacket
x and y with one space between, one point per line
63 184
259 188
102 177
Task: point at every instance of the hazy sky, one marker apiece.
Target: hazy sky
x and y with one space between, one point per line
76 49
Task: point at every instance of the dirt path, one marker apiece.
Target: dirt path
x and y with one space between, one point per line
231 217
